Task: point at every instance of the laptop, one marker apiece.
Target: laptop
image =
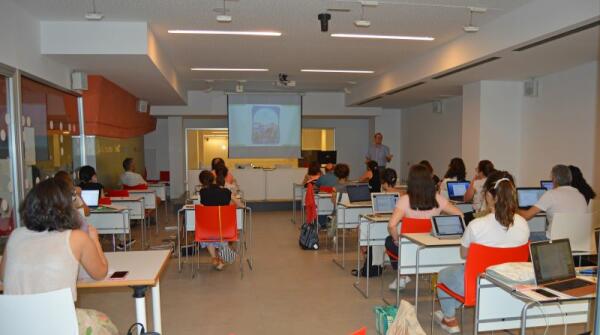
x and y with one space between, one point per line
457 190
529 196
547 184
91 198
554 269
383 205
358 193
447 226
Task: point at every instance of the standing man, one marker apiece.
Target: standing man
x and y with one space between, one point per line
379 152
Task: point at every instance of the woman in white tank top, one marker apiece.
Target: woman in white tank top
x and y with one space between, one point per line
45 255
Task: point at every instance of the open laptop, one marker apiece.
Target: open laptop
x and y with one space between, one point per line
447 226
529 196
383 205
457 190
91 198
359 194
547 184
554 268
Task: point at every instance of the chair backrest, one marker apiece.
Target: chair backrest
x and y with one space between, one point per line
577 227
326 189
136 187
54 313
410 225
7 224
362 331
216 223
480 257
105 201
165 176
118 193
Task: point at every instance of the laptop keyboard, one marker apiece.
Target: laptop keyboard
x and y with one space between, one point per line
569 285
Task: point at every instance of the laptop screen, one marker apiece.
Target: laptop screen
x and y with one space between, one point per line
552 260
358 192
529 196
384 202
547 184
448 225
90 197
457 189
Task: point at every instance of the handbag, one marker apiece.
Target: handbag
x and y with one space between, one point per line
309 237
133 328
227 254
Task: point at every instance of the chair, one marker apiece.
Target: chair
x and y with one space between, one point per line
578 228
165 176
362 331
54 313
479 258
410 225
117 193
326 189
216 224
105 201
136 187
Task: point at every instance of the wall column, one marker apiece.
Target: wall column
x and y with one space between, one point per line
176 156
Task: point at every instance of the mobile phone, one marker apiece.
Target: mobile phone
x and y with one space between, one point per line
545 293
119 274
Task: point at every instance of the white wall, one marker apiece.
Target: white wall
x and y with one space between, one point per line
431 136
20 46
559 125
156 146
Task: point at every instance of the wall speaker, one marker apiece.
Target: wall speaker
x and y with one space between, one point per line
142 106
436 107
530 88
79 81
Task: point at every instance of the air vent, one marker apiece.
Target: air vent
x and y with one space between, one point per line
405 88
369 100
559 36
464 68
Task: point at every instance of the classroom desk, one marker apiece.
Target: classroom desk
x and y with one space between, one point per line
348 217
298 191
161 192
370 233
145 269
500 307
135 205
110 220
149 201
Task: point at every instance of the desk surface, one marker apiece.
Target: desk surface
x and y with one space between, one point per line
361 204
107 209
130 198
425 239
142 191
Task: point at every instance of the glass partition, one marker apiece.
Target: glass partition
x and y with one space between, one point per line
6 184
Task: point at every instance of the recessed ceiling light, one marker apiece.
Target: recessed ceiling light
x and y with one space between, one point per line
385 37
225 32
336 71
228 69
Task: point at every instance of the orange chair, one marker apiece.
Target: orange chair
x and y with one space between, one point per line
362 331
479 258
326 189
136 187
216 224
105 201
117 193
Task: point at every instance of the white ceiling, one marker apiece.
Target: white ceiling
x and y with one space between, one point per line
301 46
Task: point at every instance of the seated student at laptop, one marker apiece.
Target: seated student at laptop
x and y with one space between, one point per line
436 179
327 179
130 177
88 180
341 172
563 198
78 203
502 228
421 202
456 172
579 182
313 173
388 182
474 193
372 176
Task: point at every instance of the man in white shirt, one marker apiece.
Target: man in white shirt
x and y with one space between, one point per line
562 198
130 177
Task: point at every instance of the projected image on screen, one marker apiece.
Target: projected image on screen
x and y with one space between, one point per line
264 126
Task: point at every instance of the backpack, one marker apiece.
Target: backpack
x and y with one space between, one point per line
309 237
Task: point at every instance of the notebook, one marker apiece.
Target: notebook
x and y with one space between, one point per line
383 205
457 190
90 197
447 226
529 196
358 193
547 184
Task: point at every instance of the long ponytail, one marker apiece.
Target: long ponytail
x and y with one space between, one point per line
500 184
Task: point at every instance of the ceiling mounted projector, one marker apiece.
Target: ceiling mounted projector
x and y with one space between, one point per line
362 23
471 29
224 18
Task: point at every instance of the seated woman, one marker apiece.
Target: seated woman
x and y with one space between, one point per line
456 172
436 179
79 204
45 254
214 193
579 182
372 176
421 202
313 173
475 191
88 180
502 228
388 182
230 182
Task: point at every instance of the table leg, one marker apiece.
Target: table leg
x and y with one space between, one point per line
337 242
139 294
524 317
156 314
156 216
178 241
293 204
417 279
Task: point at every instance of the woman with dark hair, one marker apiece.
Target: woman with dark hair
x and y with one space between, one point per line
79 204
45 254
388 181
436 179
456 172
230 182
579 182
88 180
372 176
502 228
313 173
421 202
475 191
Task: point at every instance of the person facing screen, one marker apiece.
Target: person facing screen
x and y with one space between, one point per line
230 181
475 191
456 172
313 173
372 176
130 177
327 179
436 179
388 181
579 182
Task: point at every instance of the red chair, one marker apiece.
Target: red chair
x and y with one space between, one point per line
326 189
362 331
479 258
165 176
216 224
410 225
105 201
136 187
152 181
117 193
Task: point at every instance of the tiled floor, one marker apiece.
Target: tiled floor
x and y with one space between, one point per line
290 291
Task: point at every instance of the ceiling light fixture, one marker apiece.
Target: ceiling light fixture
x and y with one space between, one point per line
228 69
470 28
337 71
224 32
385 37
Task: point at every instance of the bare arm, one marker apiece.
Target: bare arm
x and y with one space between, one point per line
463 252
365 177
528 214
89 251
397 215
470 192
452 210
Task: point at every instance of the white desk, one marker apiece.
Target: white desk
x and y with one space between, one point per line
111 221
370 234
161 192
499 307
348 217
298 191
149 201
135 205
